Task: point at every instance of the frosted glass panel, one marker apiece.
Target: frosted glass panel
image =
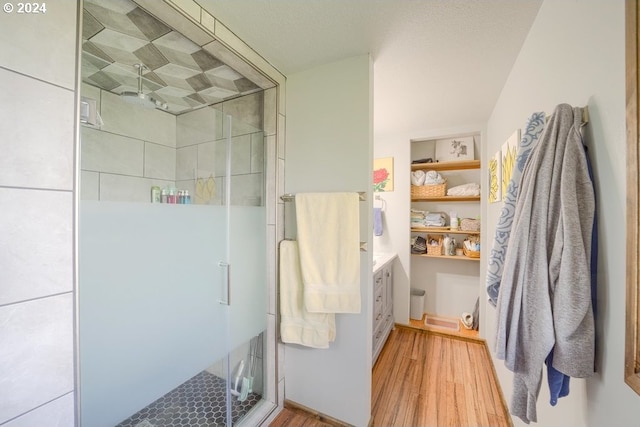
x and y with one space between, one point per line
149 312
248 273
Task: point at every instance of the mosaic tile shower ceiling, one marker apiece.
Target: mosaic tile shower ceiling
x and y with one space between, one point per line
117 35
198 402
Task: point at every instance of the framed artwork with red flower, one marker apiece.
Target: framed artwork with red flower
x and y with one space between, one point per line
383 174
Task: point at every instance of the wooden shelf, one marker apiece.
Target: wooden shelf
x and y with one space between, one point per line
440 230
454 257
447 199
447 166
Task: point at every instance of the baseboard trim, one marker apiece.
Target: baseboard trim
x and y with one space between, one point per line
296 407
505 407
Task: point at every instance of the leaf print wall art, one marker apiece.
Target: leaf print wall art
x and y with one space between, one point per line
495 178
509 154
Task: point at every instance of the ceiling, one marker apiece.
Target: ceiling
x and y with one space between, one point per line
437 63
117 35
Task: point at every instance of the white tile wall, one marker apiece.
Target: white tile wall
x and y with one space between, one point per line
247 113
37 145
257 152
281 138
108 152
199 126
124 188
42 45
270 142
133 121
241 155
246 190
272 257
159 161
187 161
212 157
58 413
89 185
270 111
37 345
37 132
36 229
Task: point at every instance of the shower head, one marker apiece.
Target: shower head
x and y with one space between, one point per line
139 98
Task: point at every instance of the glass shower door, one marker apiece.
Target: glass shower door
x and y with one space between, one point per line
153 319
173 297
245 189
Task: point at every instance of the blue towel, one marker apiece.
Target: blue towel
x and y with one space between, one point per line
377 221
533 132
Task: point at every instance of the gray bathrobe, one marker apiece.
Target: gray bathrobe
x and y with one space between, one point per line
545 294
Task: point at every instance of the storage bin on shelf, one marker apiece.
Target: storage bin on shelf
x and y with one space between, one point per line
469 245
469 224
433 190
434 244
470 253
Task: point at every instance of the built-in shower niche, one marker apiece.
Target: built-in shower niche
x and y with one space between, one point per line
137 148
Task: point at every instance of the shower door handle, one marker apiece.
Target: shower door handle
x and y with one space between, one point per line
227 267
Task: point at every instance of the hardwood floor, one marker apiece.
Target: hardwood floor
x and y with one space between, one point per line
298 416
425 378
292 418
428 379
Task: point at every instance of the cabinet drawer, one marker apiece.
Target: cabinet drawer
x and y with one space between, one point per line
388 320
378 336
378 306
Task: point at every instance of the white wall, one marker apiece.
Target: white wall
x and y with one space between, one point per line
329 148
574 53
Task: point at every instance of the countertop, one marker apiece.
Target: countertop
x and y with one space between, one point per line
381 259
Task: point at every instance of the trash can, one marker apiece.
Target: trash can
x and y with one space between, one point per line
416 309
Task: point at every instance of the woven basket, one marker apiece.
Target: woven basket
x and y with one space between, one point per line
469 224
470 254
434 249
423 191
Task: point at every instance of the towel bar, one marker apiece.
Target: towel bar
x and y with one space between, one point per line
290 197
363 245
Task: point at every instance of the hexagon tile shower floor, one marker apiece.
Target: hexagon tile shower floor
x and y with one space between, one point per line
197 402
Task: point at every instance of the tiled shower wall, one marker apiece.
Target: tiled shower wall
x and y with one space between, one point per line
37 110
137 148
133 150
201 149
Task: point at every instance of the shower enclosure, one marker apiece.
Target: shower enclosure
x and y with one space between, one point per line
172 297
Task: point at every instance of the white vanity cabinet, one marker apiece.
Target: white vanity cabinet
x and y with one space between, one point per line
382 302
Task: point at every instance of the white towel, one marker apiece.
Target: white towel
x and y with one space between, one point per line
297 325
329 245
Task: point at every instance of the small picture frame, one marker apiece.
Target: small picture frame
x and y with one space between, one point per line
495 177
455 149
383 174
